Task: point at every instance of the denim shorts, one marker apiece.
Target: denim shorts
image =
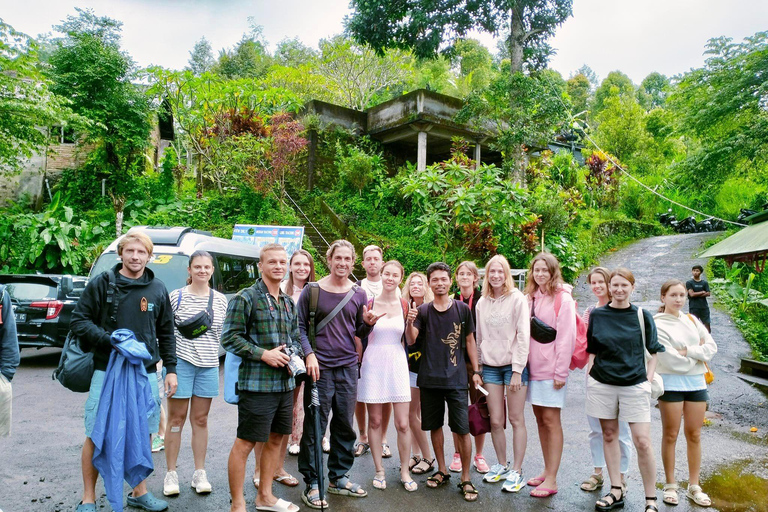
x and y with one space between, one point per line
92 403
502 375
197 381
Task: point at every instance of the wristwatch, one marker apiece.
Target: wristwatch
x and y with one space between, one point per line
475 372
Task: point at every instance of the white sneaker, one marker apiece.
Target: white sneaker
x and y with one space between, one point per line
200 482
171 484
497 473
514 482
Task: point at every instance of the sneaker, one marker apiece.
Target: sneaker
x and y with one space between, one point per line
480 465
171 484
456 464
200 482
497 473
158 444
514 482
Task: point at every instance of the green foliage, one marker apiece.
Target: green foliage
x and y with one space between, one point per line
579 92
621 127
615 84
358 168
201 57
653 91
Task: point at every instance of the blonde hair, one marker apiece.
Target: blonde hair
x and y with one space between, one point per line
665 288
555 276
509 283
337 244
471 267
373 248
270 247
606 277
428 295
135 236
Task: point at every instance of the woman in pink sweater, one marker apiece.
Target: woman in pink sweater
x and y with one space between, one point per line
503 335
548 362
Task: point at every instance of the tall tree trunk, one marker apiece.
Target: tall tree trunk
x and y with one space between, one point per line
516 40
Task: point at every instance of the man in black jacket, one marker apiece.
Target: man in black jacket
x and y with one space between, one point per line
143 307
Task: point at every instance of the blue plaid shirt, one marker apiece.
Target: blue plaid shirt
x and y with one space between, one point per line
250 329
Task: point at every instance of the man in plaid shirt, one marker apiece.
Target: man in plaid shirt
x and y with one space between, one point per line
258 333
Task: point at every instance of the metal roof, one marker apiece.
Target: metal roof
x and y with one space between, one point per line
752 239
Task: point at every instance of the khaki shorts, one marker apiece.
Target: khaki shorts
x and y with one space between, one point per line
5 406
627 403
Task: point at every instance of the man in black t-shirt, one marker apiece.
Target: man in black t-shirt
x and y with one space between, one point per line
698 291
448 329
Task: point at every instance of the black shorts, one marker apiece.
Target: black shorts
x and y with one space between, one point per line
433 409
701 395
259 414
700 313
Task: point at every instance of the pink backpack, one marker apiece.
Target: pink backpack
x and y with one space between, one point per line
580 357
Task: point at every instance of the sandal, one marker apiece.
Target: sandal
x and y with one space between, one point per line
418 469
469 494
313 502
379 481
415 459
698 496
651 507
361 449
386 453
669 495
410 485
294 449
535 481
594 482
343 487
610 501
287 480
438 479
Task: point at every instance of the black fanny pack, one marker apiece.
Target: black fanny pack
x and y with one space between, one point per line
199 324
540 330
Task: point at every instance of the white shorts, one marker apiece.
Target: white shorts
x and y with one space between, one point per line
544 394
413 377
6 395
627 403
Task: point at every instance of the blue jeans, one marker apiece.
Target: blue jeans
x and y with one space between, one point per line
337 389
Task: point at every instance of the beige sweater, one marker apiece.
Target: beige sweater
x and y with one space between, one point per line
676 332
503 330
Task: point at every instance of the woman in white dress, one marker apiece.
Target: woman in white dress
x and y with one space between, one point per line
384 375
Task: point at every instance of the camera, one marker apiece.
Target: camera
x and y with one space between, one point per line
295 364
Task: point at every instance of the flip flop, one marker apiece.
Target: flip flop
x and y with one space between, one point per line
410 486
543 492
380 481
386 453
280 506
361 449
535 481
287 480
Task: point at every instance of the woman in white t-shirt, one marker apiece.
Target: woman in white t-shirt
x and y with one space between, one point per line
197 370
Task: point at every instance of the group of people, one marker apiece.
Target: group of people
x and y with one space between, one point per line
377 350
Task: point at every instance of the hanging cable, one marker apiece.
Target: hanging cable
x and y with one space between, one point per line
572 121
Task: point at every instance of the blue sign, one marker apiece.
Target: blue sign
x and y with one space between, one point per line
289 237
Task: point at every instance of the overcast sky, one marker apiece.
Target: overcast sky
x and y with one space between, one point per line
635 37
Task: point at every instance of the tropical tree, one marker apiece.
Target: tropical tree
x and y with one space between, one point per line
653 91
615 84
427 26
201 57
578 91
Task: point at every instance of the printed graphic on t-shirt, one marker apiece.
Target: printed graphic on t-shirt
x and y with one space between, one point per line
454 341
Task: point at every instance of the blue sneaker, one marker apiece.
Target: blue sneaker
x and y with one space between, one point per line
148 502
497 473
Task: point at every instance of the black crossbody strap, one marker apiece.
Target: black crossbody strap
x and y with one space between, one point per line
325 321
210 305
112 300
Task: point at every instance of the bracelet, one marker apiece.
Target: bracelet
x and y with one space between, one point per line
475 372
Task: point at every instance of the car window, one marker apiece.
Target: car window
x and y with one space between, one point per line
24 291
236 273
77 289
171 269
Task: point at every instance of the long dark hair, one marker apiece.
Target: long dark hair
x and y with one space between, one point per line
195 255
310 278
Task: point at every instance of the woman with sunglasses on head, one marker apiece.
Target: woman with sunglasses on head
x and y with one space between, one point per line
689 347
415 293
598 279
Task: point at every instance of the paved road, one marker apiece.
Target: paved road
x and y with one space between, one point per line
39 464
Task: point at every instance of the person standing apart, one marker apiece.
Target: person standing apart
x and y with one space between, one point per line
332 358
503 340
260 326
698 291
548 363
619 385
301 270
598 279
384 375
688 347
448 334
197 370
416 292
468 279
373 260
144 308
9 359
